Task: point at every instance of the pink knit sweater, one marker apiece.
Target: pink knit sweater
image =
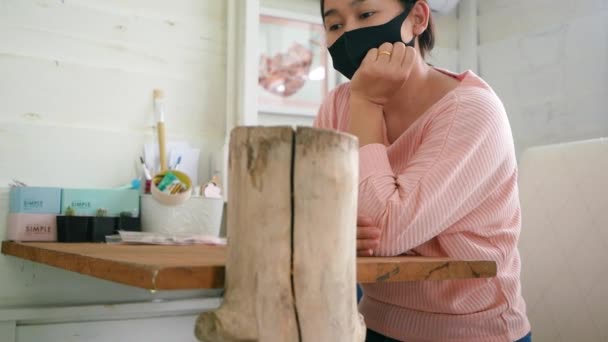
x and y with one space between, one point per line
446 187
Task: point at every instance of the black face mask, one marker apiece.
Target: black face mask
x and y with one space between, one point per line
349 50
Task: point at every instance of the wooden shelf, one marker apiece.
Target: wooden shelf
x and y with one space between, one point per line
202 267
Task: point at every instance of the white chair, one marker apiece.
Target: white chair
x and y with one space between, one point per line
564 241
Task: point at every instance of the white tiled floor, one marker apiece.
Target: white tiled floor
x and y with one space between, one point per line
564 241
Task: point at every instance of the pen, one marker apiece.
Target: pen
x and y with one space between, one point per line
145 168
179 160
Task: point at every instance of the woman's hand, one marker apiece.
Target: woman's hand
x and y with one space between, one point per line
368 237
382 73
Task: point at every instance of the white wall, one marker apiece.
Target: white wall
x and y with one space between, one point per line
446 52
308 7
547 60
76 81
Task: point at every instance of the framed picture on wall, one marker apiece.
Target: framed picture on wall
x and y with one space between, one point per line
295 70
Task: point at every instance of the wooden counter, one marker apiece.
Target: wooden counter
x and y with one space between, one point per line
202 267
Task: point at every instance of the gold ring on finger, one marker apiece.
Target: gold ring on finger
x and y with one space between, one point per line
385 53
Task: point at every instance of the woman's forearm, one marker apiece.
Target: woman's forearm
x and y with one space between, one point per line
366 121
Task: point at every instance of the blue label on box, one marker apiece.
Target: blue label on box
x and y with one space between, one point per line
86 202
80 205
35 200
32 205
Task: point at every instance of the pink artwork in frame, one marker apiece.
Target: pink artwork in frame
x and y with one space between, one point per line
294 74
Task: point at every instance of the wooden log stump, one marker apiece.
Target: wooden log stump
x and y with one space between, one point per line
326 173
258 298
292 206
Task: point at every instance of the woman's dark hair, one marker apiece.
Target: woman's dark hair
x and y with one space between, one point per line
426 39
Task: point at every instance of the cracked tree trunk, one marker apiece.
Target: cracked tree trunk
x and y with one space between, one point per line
258 300
326 173
270 233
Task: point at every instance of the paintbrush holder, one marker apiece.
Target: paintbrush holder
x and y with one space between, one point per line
171 199
198 215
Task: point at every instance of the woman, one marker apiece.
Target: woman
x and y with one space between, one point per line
438 175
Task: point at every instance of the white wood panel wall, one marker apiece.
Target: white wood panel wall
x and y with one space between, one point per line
76 81
77 78
178 328
150 321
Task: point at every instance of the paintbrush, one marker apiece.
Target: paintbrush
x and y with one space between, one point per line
160 126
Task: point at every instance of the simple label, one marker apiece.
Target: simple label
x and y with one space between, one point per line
37 229
32 204
81 205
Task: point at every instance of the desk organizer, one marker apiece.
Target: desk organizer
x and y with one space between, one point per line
198 215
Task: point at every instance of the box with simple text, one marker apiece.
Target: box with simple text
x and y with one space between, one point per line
86 202
38 200
32 227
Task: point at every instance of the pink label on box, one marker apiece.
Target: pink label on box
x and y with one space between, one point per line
32 227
